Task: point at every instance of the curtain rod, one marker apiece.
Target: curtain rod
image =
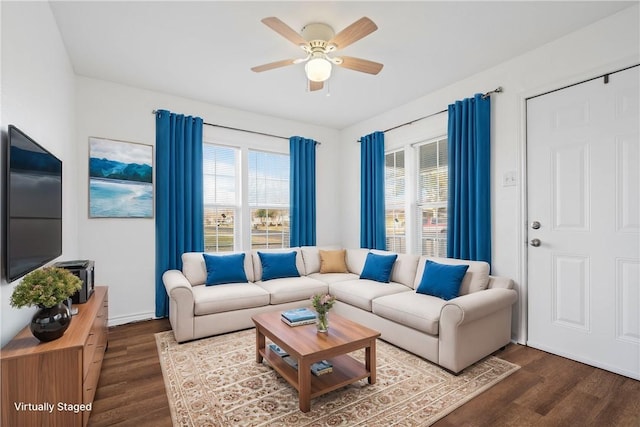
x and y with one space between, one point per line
484 96
241 130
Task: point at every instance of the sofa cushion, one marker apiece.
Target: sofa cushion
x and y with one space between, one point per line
311 257
195 270
476 279
361 292
417 311
442 280
378 267
228 297
257 263
334 277
333 261
224 268
404 269
293 289
356 259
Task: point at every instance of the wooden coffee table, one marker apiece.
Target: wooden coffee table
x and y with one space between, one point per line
307 346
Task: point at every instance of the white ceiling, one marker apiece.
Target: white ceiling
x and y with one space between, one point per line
204 50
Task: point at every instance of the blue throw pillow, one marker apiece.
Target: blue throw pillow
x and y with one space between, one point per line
442 280
276 265
224 269
378 267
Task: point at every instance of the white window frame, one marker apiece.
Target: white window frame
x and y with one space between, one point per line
244 142
420 206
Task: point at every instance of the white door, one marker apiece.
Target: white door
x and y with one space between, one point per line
583 194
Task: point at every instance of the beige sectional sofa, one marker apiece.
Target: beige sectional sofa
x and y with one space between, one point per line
452 333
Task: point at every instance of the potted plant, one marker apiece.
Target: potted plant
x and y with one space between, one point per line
48 288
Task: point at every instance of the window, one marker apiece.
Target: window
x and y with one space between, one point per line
245 206
433 196
221 201
269 199
394 173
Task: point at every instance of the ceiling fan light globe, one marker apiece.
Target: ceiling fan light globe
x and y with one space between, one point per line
318 69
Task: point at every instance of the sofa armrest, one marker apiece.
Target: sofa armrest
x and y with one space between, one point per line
500 282
467 308
181 304
473 326
174 279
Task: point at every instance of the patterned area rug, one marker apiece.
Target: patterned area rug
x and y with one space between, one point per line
216 382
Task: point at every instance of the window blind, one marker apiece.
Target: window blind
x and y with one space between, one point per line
433 194
268 199
221 197
395 201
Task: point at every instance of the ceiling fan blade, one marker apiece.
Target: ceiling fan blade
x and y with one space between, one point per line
284 30
313 86
354 32
362 65
272 65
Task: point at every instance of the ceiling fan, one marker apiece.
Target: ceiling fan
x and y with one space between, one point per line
318 41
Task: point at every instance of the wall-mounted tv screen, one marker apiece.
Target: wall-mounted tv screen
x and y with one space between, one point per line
34 205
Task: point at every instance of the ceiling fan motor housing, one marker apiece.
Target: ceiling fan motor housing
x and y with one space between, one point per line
317 31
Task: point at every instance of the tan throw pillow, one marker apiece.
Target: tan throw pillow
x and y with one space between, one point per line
333 261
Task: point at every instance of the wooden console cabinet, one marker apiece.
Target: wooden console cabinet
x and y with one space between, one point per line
54 383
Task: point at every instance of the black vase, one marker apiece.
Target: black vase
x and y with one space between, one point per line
49 323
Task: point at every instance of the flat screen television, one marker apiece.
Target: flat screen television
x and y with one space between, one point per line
34 205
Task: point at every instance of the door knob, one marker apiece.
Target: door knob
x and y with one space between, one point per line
535 243
535 225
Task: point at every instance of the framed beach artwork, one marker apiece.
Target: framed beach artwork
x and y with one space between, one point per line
120 179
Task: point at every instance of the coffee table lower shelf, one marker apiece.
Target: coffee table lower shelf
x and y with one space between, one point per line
346 370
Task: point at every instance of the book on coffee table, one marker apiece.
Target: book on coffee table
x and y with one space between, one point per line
319 368
298 316
291 361
278 350
298 323
322 367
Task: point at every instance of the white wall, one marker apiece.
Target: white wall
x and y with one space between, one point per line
124 249
38 87
607 45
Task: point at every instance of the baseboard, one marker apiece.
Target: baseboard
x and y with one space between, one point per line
121 320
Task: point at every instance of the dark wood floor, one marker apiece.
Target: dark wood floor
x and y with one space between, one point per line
547 391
